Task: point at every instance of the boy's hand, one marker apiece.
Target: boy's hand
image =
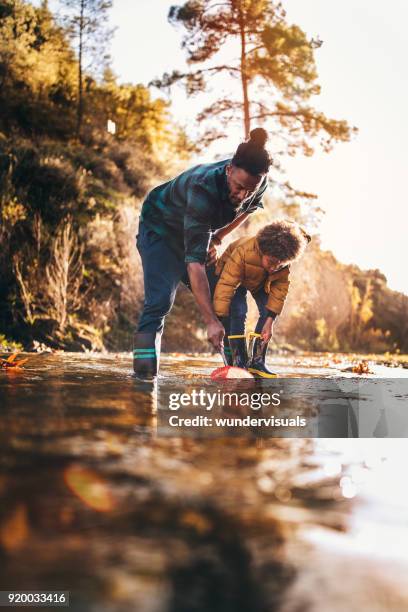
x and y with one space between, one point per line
267 330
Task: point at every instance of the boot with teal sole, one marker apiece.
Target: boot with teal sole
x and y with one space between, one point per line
146 354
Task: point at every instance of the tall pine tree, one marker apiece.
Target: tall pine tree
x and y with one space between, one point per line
87 22
274 66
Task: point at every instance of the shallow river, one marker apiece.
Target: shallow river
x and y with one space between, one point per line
95 502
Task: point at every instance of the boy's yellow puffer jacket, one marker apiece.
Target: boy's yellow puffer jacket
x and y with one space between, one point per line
240 264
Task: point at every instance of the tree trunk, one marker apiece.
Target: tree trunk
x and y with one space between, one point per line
80 105
244 77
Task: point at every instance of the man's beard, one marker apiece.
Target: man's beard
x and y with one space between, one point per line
238 203
235 202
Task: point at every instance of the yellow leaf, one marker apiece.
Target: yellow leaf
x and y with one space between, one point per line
91 488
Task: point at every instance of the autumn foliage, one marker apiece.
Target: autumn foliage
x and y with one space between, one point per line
69 206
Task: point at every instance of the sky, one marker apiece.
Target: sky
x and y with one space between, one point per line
362 73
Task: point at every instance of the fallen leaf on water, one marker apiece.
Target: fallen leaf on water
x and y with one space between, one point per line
11 362
197 521
91 488
362 368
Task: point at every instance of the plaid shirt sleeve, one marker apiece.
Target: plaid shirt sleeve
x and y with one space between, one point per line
197 223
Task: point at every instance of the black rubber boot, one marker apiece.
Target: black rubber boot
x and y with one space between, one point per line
238 350
146 354
257 356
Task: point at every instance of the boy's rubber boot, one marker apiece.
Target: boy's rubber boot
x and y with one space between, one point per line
146 354
238 350
257 356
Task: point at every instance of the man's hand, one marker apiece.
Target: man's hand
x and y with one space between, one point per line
201 292
267 330
215 333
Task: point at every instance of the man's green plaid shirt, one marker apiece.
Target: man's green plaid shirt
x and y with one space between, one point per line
187 209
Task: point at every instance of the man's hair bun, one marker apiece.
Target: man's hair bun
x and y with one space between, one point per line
251 155
259 137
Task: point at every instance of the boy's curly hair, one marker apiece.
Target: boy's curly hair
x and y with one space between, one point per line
283 239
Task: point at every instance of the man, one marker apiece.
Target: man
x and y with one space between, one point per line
180 224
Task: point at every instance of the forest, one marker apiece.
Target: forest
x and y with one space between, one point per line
79 150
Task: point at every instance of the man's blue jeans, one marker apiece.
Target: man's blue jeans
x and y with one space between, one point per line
163 271
235 324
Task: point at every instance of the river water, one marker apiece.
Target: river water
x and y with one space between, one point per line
95 502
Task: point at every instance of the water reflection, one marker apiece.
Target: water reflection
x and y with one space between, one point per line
93 501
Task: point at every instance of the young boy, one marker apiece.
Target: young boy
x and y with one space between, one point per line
259 264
